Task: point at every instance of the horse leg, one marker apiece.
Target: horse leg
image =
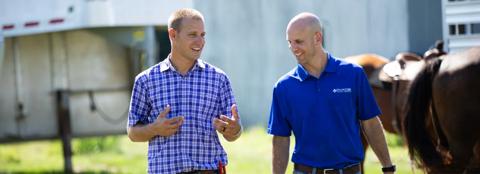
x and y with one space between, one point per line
462 155
474 165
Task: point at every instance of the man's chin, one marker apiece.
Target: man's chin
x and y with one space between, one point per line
197 54
195 57
299 59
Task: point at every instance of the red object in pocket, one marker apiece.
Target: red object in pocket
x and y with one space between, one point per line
221 168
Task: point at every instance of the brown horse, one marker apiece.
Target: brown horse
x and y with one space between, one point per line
443 113
391 103
396 77
372 65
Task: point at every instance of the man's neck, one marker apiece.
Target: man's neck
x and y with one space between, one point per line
317 65
181 64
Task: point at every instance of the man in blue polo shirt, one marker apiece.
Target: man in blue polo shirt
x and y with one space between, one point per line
325 102
178 104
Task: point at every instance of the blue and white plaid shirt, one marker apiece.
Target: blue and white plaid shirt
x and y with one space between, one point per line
201 95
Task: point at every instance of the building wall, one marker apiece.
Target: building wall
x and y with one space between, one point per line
246 38
425 24
461 24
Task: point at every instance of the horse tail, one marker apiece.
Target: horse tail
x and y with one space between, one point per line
417 109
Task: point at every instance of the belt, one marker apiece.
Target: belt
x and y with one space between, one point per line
201 172
353 169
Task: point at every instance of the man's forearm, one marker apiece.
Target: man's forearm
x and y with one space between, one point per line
280 153
376 138
140 133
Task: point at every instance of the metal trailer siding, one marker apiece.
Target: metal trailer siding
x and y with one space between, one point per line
79 62
461 13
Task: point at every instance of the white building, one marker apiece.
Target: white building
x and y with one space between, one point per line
461 27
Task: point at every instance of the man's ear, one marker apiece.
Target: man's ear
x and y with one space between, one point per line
172 33
318 37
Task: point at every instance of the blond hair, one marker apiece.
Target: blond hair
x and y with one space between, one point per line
176 18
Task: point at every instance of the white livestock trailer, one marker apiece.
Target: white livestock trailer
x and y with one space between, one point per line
67 67
461 24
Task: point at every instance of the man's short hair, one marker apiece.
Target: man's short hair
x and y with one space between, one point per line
176 18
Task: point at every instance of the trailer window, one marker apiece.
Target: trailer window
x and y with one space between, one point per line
452 29
475 28
462 29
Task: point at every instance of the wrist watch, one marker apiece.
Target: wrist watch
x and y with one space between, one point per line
391 168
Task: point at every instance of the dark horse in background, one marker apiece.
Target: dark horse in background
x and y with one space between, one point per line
442 124
391 87
381 83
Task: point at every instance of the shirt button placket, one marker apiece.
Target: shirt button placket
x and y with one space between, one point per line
184 95
318 86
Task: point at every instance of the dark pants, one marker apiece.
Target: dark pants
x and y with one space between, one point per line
351 169
201 172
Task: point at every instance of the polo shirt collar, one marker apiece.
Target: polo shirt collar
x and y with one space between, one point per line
332 64
167 64
301 73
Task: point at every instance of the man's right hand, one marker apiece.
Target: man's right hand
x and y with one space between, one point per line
164 126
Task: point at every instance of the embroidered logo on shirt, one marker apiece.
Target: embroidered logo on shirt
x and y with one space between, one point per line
342 90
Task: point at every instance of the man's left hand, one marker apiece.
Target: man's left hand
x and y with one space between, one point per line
228 127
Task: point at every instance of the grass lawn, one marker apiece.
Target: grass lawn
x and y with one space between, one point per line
251 154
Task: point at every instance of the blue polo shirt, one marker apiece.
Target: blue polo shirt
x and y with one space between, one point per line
323 113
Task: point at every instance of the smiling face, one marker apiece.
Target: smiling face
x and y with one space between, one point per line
188 40
304 37
301 43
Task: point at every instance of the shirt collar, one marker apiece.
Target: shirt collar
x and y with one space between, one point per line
301 73
167 64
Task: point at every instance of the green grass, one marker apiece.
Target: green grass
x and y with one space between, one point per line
116 154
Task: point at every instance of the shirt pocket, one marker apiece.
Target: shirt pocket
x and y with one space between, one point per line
207 106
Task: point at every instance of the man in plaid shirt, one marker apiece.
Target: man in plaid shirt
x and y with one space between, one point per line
178 104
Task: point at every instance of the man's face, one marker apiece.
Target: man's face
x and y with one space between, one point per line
301 42
189 41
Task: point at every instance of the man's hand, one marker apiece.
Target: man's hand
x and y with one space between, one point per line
164 126
229 128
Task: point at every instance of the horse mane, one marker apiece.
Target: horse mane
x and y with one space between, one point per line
419 142
435 51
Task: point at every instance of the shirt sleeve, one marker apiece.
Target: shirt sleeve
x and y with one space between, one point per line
139 104
278 123
227 98
367 106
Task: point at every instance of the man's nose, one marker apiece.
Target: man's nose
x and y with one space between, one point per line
293 47
199 39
